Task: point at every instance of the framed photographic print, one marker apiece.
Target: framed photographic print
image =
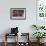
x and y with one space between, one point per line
17 13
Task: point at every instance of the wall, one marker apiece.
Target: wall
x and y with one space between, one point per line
24 25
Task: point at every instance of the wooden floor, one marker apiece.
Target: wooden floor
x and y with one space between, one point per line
13 44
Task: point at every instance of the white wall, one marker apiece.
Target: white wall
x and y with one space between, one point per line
24 25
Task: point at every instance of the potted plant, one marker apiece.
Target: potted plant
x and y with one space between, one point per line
39 35
38 27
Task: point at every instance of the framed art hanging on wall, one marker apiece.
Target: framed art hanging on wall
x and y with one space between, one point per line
17 13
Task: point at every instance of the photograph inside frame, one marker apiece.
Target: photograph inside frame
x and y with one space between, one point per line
18 13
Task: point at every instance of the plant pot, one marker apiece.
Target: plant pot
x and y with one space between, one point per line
40 41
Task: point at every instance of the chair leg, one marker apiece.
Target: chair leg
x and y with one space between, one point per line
5 40
5 43
17 39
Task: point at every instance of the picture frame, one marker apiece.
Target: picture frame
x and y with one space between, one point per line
17 13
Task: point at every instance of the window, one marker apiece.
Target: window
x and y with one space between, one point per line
41 8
